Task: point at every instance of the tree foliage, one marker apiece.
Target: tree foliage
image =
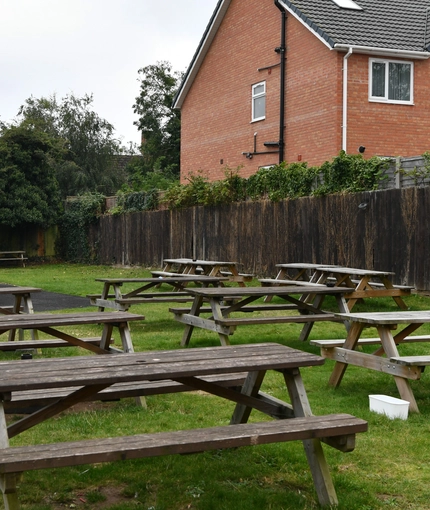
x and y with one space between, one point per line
159 122
29 192
87 163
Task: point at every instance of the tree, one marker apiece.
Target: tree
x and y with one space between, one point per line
29 192
159 122
88 160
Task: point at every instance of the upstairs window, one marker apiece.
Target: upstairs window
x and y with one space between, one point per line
259 101
348 4
391 81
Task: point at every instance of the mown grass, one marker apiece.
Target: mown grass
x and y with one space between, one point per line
388 469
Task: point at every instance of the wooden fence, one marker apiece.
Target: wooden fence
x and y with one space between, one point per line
385 230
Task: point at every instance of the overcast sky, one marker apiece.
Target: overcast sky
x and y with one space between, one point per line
93 47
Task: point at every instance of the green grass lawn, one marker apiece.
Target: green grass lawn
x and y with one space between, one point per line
389 468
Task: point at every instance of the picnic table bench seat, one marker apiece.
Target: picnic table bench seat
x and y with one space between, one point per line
14 460
248 308
243 277
13 256
299 319
417 361
328 344
275 281
166 273
23 402
22 345
381 285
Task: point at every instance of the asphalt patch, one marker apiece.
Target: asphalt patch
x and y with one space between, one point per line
47 301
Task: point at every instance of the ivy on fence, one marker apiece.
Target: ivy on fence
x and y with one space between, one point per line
80 213
345 173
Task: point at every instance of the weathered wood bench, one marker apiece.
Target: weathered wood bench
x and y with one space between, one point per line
249 308
15 460
381 285
241 277
160 274
417 361
23 345
329 344
23 402
274 281
148 297
296 319
13 256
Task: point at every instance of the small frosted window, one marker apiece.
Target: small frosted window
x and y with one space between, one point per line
259 101
348 4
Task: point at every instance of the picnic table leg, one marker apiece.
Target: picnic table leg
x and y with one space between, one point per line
16 308
388 285
195 310
124 333
217 314
28 308
317 463
8 481
402 384
250 387
350 343
307 327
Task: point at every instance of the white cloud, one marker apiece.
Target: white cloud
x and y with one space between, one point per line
93 47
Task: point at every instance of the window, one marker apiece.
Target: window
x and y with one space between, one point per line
259 101
348 4
391 81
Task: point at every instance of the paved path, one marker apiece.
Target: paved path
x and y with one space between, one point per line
46 301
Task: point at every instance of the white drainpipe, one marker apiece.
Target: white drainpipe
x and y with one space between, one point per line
345 98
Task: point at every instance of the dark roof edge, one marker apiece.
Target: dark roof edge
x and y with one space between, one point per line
288 6
202 49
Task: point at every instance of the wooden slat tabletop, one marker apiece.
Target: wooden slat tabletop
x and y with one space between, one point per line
19 290
265 291
381 318
182 277
30 321
353 271
158 365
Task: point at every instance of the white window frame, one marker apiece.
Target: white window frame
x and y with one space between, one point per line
258 96
385 99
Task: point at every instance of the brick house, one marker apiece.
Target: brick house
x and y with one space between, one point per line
300 80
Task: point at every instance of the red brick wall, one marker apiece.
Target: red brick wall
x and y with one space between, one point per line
216 114
387 129
313 97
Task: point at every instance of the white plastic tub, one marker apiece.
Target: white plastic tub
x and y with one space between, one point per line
390 406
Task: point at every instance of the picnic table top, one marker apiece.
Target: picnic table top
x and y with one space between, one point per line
40 320
166 279
303 265
354 271
155 365
265 291
381 318
13 252
19 290
200 262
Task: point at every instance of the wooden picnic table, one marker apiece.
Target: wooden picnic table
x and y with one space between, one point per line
224 301
86 375
13 256
21 302
206 267
386 357
364 283
49 323
112 295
